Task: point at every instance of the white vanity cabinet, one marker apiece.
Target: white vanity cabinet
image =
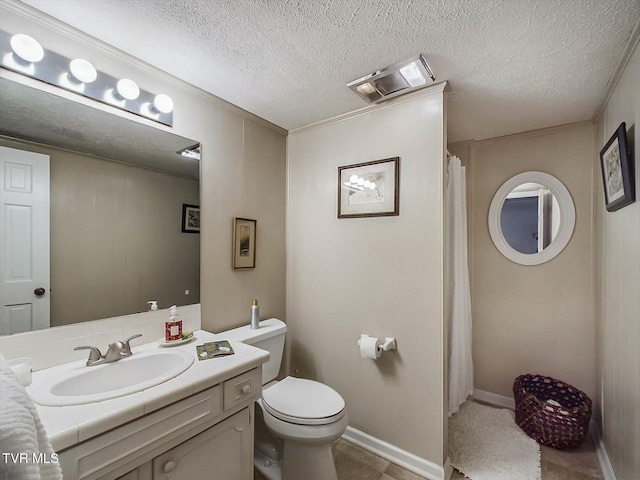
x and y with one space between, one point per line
205 435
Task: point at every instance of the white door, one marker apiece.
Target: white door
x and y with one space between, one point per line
24 241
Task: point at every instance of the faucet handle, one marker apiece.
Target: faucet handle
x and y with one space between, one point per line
114 353
95 355
126 349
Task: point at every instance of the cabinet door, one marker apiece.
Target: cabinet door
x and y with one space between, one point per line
143 472
223 452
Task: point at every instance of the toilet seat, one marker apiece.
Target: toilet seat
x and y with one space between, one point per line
303 402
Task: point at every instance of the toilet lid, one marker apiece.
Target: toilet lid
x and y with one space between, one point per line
298 400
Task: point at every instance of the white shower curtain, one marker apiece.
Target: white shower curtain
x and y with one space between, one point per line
460 360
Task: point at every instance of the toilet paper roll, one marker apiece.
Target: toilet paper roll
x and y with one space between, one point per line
370 347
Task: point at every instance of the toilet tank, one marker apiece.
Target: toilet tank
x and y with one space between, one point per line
270 337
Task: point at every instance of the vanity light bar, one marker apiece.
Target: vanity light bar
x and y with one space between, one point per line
23 54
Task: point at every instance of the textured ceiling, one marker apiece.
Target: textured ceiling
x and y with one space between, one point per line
513 65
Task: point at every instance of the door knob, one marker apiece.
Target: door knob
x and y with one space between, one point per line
39 291
169 466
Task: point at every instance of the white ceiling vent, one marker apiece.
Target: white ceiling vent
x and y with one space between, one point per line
394 80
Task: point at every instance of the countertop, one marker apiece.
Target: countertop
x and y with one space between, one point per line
69 425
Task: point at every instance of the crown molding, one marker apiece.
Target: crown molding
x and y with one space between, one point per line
528 134
423 92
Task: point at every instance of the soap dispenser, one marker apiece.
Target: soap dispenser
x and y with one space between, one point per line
153 305
173 327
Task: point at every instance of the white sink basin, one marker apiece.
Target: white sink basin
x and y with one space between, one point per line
81 384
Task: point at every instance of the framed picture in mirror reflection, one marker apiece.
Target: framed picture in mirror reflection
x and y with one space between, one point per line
190 218
617 171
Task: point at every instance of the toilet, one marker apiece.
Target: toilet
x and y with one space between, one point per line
296 419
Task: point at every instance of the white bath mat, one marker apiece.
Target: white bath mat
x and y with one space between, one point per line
486 444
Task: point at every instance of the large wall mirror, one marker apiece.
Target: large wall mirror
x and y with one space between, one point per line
117 190
531 218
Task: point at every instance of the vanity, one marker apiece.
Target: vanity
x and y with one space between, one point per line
196 424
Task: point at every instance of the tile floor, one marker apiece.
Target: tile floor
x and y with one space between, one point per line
354 463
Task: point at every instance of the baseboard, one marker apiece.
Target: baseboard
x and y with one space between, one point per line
396 455
494 399
448 469
601 451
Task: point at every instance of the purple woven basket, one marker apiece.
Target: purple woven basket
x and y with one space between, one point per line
551 411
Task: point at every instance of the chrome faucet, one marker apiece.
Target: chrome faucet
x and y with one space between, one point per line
117 351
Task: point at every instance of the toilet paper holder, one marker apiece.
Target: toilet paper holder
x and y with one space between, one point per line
389 343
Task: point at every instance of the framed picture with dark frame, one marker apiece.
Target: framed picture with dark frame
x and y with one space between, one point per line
370 189
617 171
244 243
190 218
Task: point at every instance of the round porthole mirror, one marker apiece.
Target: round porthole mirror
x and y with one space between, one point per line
531 218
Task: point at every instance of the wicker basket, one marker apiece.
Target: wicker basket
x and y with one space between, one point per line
551 412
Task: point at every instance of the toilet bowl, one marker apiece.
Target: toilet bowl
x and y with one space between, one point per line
296 419
307 416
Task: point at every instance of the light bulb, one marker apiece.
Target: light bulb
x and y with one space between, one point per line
366 89
128 89
27 48
360 181
412 75
163 103
82 70
372 186
353 178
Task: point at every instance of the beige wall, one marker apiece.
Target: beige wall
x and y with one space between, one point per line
531 319
381 276
242 171
115 237
618 289
243 175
